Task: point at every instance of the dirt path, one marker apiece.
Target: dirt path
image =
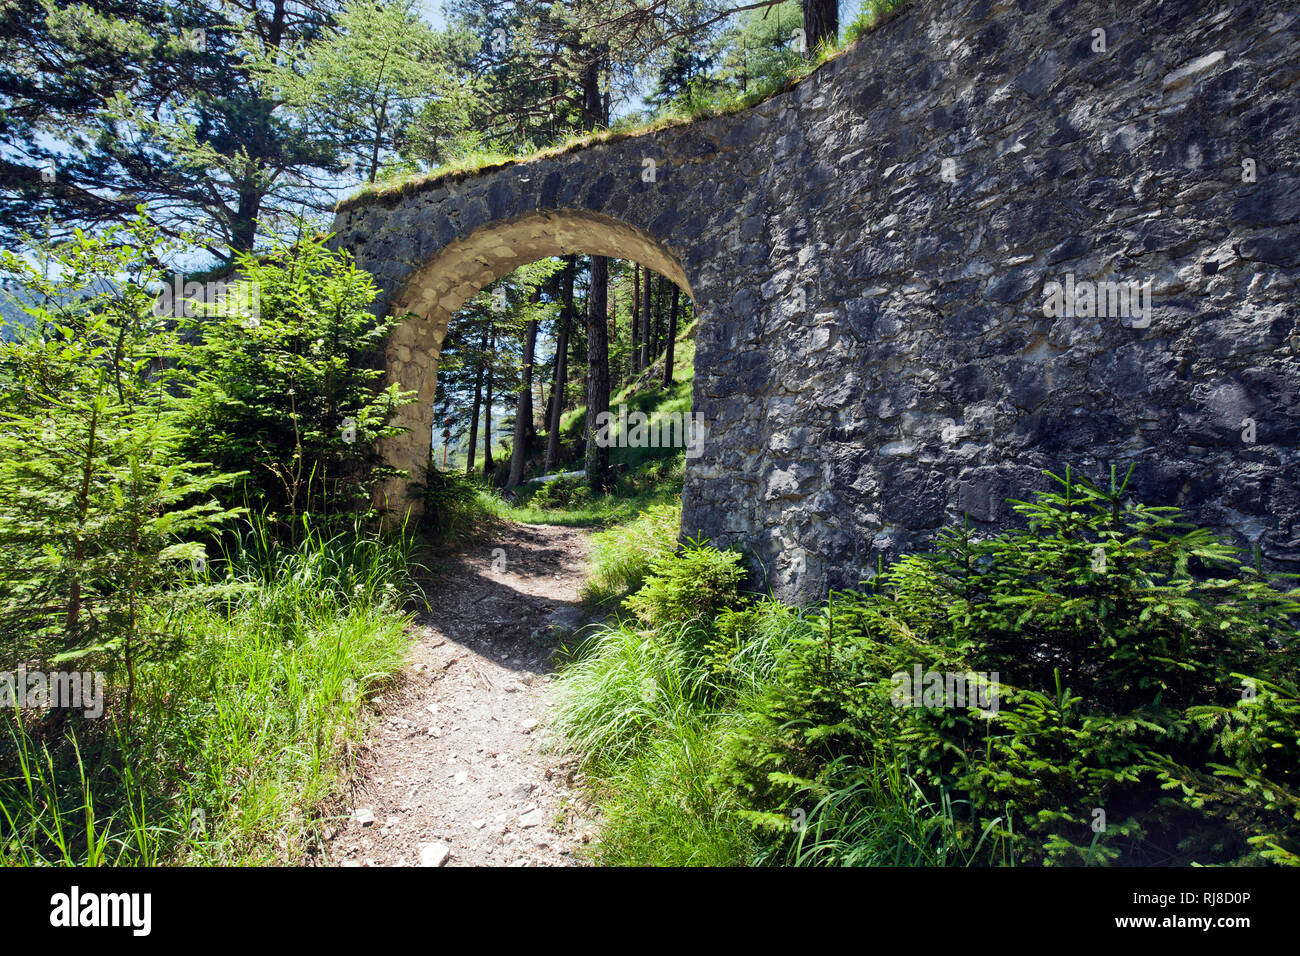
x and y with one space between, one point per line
453 771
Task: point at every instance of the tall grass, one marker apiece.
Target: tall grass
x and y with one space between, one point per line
655 714
652 720
621 556
880 816
632 707
240 739
49 814
632 684
664 806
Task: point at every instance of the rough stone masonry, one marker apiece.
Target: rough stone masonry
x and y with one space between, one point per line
913 272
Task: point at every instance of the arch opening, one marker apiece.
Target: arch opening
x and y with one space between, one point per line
436 290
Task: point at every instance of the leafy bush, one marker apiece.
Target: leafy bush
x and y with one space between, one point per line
1258 792
562 493
451 503
693 585
288 394
236 678
1107 629
100 512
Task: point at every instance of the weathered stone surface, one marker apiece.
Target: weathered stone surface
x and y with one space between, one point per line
870 253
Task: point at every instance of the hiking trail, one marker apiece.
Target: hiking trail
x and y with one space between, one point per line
453 769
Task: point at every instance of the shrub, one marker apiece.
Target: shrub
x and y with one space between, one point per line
101 516
451 503
288 394
562 493
693 585
1119 639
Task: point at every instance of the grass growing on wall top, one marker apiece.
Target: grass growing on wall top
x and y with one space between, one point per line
873 14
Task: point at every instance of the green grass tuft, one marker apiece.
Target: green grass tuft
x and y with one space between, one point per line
238 745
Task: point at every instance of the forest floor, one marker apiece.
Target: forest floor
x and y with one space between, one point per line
455 771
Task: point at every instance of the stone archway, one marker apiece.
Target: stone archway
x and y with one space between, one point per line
868 254
453 275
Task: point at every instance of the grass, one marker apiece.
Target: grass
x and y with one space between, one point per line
629 704
656 483
622 555
656 736
646 720
239 744
725 728
663 808
880 816
656 727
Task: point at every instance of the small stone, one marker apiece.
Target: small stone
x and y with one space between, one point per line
531 818
364 816
462 776
434 854
478 824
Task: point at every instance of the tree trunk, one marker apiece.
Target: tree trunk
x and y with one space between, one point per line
523 411
595 110
672 337
645 322
593 104
597 373
243 228
821 21
659 316
561 370
634 360
530 352
473 422
487 402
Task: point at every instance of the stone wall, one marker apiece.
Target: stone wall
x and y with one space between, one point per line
870 254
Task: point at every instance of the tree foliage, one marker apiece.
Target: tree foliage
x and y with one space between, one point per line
289 392
102 515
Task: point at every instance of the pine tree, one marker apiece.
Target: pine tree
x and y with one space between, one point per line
101 515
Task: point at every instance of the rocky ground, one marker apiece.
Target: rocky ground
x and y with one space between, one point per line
454 771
